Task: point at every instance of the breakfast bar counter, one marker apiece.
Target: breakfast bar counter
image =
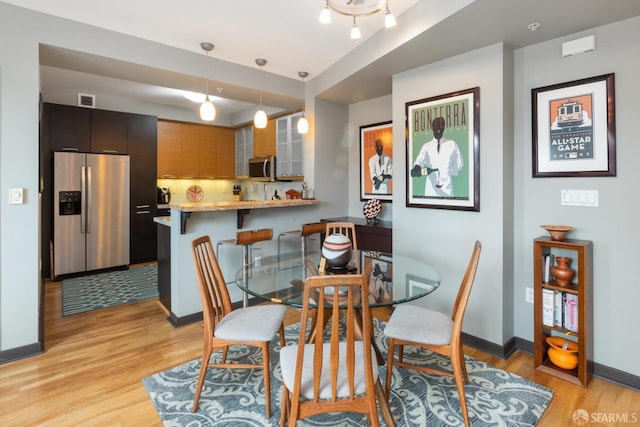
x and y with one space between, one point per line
242 207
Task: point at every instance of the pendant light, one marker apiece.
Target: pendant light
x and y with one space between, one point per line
207 109
303 123
260 119
355 31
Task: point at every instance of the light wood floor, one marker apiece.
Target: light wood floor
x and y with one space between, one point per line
91 371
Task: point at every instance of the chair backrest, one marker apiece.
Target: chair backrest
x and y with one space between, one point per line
346 228
247 237
341 343
465 290
214 294
313 228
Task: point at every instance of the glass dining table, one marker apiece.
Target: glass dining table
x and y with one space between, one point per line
393 279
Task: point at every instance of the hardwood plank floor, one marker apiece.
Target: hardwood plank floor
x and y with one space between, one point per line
91 372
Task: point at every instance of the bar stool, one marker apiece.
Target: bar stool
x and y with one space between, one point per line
246 239
304 232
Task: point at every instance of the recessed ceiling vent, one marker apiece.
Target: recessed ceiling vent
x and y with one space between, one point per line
86 100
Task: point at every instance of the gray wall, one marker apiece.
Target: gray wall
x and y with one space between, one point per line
613 226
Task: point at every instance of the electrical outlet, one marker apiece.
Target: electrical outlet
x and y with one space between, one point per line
17 196
529 295
257 261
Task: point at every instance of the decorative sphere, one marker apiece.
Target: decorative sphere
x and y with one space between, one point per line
372 208
336 249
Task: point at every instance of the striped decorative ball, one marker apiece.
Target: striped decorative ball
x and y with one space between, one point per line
336 249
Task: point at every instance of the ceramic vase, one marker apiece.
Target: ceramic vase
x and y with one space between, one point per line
562 271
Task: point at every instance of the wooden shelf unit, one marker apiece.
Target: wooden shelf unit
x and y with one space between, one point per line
581 252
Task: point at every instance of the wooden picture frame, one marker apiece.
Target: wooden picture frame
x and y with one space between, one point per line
573 127
444 173
376 171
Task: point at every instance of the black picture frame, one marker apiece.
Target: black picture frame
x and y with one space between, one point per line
573 128
447 177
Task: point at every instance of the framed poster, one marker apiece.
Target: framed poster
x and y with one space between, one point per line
379 269
376 161
573 126
418 285
443 151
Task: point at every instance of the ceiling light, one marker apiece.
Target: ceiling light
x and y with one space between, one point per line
325 15
355 31
207 109
303 123
260 119
389 19
356 9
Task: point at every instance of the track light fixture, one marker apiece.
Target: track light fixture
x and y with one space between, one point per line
260 119
356 9
207 109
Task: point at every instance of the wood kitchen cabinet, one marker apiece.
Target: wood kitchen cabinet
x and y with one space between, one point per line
190 151
109 132
187 150
264 140
169 149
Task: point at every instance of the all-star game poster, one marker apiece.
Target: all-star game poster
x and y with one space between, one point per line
571 131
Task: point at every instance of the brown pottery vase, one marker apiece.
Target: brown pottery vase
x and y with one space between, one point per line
562 272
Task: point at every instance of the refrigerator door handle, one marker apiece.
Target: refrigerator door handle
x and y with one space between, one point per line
89 199
83 199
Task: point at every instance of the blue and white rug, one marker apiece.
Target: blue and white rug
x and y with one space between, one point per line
96 291
236 397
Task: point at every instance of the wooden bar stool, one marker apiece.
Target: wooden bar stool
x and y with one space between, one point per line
304 232
246 239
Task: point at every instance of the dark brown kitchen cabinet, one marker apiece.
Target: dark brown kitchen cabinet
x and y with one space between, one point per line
109 132
66 128
142 147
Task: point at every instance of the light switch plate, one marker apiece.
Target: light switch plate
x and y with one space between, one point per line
17 196
588 198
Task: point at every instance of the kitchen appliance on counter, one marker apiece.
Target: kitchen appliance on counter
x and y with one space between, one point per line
91 212
164 195
262 168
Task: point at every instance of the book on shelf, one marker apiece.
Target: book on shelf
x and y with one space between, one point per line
547 263
571 312
548 303
558 307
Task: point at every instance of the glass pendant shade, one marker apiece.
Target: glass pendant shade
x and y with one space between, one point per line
303 126
355 31
389 20
325 15
207 111
260 119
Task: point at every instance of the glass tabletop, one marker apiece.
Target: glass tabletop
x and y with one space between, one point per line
393 279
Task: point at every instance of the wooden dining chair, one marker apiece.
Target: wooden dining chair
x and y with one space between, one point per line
438 332
224 327
336 372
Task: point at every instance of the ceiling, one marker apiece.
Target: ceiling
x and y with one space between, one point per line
243 30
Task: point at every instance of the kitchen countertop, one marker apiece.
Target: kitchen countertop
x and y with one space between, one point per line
244 204
162 220
242 208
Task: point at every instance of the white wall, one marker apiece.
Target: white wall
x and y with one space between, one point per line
613 226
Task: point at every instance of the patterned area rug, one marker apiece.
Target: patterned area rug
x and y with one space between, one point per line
236 397
88 293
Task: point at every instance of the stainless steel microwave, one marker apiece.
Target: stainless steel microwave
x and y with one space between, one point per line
262 168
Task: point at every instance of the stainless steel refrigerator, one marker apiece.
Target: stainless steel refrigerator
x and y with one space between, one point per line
91 212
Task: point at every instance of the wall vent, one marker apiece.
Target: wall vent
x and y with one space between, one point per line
86 100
